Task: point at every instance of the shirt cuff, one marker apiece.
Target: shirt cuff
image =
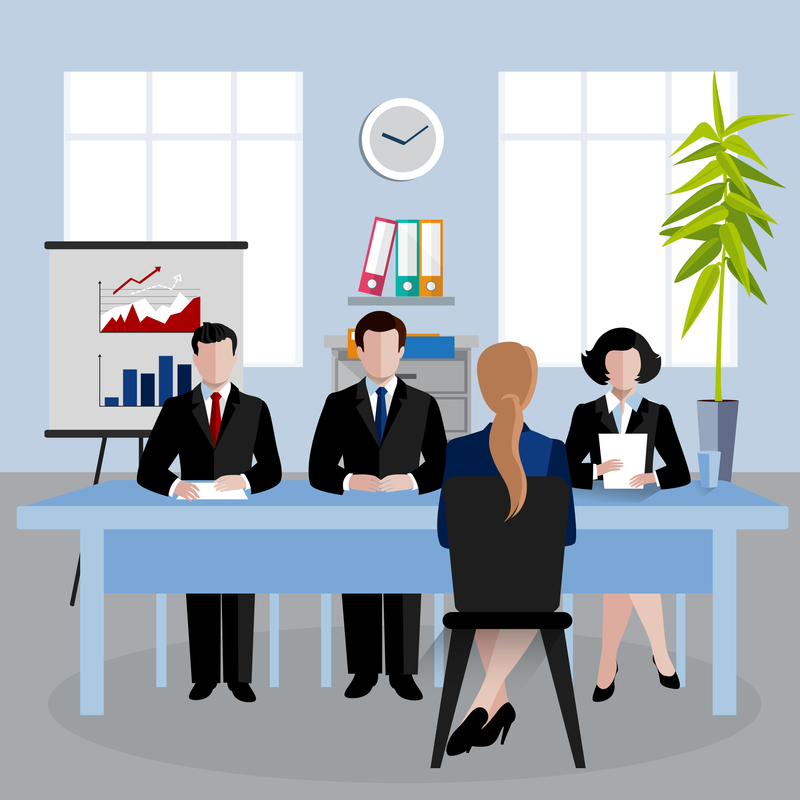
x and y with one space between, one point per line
413 481
656 477
346 484
174 486
594 472
246 482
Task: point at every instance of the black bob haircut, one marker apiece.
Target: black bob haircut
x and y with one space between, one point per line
211 332
594 360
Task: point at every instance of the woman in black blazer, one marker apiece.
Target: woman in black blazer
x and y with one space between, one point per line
624 359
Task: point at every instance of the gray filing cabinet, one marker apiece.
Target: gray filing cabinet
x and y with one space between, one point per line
449 380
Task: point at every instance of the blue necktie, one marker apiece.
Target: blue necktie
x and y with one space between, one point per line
380 412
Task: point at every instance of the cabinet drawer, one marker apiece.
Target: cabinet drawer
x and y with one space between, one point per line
454 413
429 375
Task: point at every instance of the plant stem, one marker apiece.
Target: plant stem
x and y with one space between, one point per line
718 377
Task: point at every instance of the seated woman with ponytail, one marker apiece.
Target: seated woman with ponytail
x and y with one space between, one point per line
507 447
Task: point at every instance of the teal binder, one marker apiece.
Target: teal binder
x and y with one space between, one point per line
406 258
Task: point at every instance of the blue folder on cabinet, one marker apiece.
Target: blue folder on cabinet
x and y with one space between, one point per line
430 347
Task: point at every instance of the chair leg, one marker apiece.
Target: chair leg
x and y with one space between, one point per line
556 648
457 658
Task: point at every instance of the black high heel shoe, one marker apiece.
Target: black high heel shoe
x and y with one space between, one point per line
600 695
464 736
669 681
501 721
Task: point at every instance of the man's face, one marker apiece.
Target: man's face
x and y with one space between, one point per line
380 355
215 361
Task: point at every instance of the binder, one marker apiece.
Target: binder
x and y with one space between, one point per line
406 256
430 347
379 251
431 252
352 349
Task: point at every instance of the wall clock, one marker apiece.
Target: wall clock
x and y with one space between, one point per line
402 139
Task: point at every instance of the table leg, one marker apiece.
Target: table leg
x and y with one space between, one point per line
325 640
680 637
161 641
724 622
274 636
438 640
567 606
92 619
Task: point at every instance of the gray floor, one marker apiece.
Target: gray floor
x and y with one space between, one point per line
306 742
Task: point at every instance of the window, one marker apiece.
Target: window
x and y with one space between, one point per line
195 156
584 180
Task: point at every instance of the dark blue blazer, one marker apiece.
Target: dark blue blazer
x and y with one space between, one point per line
470 455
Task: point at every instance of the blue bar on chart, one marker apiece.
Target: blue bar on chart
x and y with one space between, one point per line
129 387
164 379
184 378
148 388
111 401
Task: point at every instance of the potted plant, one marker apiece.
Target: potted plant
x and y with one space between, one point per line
721 209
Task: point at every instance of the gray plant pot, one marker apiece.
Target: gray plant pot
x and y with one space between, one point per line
717 424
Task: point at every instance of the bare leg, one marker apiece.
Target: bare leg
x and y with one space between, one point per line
650 611
616 613
486 641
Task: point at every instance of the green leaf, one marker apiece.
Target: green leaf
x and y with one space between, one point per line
754 287
707 151
740 146
708 173
743 204
732 242
706 197
703 235
704 288
715 214
750 119
704 255
718 121
746 171
748 238
730 168
702 131
762 223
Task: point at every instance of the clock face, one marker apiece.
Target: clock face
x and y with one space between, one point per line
402 139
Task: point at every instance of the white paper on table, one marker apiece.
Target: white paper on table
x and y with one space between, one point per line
207 491
631 450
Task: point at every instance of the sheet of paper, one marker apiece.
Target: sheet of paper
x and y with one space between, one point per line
208 492
631 450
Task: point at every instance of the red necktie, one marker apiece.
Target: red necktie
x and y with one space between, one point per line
215 417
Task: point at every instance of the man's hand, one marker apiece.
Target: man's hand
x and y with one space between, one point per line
642 479
227 483
609 466
396 483
188 491
364 483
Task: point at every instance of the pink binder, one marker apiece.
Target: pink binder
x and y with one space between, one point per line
376 264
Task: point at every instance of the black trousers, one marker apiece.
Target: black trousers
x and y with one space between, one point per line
362 632
238 617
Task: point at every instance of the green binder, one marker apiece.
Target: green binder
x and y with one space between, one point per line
406 258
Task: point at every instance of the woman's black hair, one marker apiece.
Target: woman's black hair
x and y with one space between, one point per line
212 332
594 360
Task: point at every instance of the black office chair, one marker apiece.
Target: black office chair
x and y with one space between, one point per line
506 575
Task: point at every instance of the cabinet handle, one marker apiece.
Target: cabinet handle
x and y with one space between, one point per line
410 376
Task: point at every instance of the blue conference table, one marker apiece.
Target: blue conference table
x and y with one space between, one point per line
294 539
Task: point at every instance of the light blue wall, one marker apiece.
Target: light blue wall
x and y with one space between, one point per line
354 55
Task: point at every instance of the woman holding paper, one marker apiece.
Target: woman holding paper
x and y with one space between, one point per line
623 358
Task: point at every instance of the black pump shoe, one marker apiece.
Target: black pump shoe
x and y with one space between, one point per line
467 733
668 681
501 721
600 695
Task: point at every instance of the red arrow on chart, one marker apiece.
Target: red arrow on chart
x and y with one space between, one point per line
157 269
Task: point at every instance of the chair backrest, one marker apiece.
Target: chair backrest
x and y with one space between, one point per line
506 566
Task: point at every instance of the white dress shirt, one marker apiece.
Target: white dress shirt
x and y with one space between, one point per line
372 388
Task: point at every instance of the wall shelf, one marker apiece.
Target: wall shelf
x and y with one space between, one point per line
369 300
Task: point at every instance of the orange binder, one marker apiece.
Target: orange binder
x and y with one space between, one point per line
431 253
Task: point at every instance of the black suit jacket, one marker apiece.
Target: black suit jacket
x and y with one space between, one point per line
346 429
591 419
182 430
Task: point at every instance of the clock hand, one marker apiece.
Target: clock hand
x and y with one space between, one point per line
415 135
400 141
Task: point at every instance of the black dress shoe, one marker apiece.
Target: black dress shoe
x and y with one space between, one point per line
202 689
242 691
670 681
467 733
404 686
501 721
361 685
603 694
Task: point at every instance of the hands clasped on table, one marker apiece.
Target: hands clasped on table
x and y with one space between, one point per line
391 483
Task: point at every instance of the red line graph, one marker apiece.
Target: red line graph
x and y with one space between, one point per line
157 269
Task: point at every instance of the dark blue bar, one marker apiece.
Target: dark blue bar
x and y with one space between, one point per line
129 387
164 379
184 378
148 388
111 401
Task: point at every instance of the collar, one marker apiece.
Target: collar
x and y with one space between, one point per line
372 387
224 391
613 401
524 427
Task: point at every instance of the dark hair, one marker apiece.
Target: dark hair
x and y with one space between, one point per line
211 332
594 360
380 321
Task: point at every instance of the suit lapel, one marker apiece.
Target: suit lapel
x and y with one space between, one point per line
199 411
398 398
638 416
605 417
231 404
365 409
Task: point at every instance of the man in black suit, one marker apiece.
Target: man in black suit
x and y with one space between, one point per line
380 427
215 430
